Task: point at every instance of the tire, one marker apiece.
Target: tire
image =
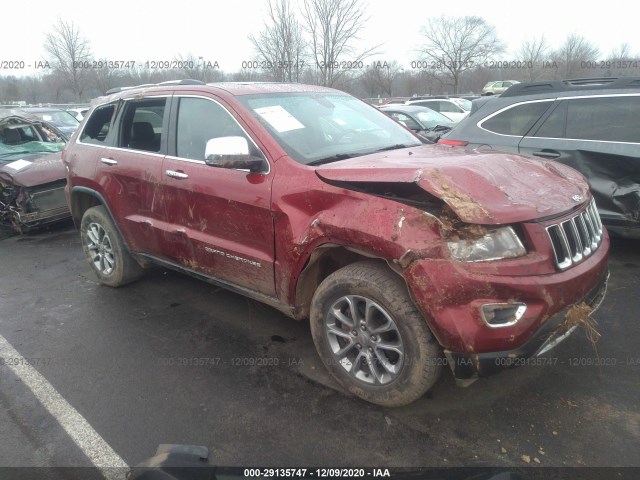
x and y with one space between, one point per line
398 359
105 250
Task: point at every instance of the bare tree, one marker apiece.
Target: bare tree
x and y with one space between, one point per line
199 68
620 61
9 89
459 44
622 52
575 53
247 75
31 88
105 77
333 27
68 51
55 84
280 47
534 53
379 77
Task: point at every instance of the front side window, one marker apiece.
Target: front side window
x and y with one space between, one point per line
516 120
316 128
98 125
141 126
200 120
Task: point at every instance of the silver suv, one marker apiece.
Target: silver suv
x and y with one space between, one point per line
496 88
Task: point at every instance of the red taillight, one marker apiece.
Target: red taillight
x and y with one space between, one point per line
453 143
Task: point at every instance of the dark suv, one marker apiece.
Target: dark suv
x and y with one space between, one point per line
405 257
592 125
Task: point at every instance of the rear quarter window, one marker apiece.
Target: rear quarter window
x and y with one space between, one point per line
516 120
98 125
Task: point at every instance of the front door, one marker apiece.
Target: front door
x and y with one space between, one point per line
221 222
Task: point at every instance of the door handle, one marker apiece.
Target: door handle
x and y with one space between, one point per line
178 175
109 161
547 154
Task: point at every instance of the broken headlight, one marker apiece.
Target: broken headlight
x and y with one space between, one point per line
494 245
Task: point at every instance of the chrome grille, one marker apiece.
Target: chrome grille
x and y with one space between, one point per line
576 238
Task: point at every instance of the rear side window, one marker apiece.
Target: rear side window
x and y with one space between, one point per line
98 125
431 105
614 119
447 107
200 120
142 124
516 120
553 126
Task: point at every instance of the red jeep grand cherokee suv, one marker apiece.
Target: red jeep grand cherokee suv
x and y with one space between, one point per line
405 257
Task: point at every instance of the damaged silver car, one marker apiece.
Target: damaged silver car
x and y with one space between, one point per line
32 175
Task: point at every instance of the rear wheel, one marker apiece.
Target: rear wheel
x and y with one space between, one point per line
105 249
371 336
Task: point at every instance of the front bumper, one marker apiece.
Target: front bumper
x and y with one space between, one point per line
470 365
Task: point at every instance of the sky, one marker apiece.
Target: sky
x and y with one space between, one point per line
217 30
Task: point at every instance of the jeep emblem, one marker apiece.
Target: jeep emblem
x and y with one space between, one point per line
577 198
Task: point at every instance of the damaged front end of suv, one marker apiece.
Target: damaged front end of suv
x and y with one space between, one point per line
32 176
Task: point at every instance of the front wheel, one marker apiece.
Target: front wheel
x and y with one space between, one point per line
102 244
371 337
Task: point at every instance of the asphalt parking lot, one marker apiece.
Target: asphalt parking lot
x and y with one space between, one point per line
170 359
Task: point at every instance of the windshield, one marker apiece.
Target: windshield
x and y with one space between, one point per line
58 118
320 127
8 152
19 136
431 118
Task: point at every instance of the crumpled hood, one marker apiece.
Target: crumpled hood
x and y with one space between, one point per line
34 170
483 187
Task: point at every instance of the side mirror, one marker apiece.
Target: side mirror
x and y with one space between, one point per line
232 152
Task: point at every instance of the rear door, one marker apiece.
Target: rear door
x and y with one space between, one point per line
504 129
221 221
600 137
130 172
86 152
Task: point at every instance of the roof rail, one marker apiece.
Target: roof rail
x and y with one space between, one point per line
573 84
185 81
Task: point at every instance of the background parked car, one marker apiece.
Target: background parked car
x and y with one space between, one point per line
32 176
592 125
496 88
446 106
62 119
425 122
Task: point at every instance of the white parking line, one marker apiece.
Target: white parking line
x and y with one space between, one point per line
85 437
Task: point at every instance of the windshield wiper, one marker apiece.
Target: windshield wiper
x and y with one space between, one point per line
397 146
333 158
